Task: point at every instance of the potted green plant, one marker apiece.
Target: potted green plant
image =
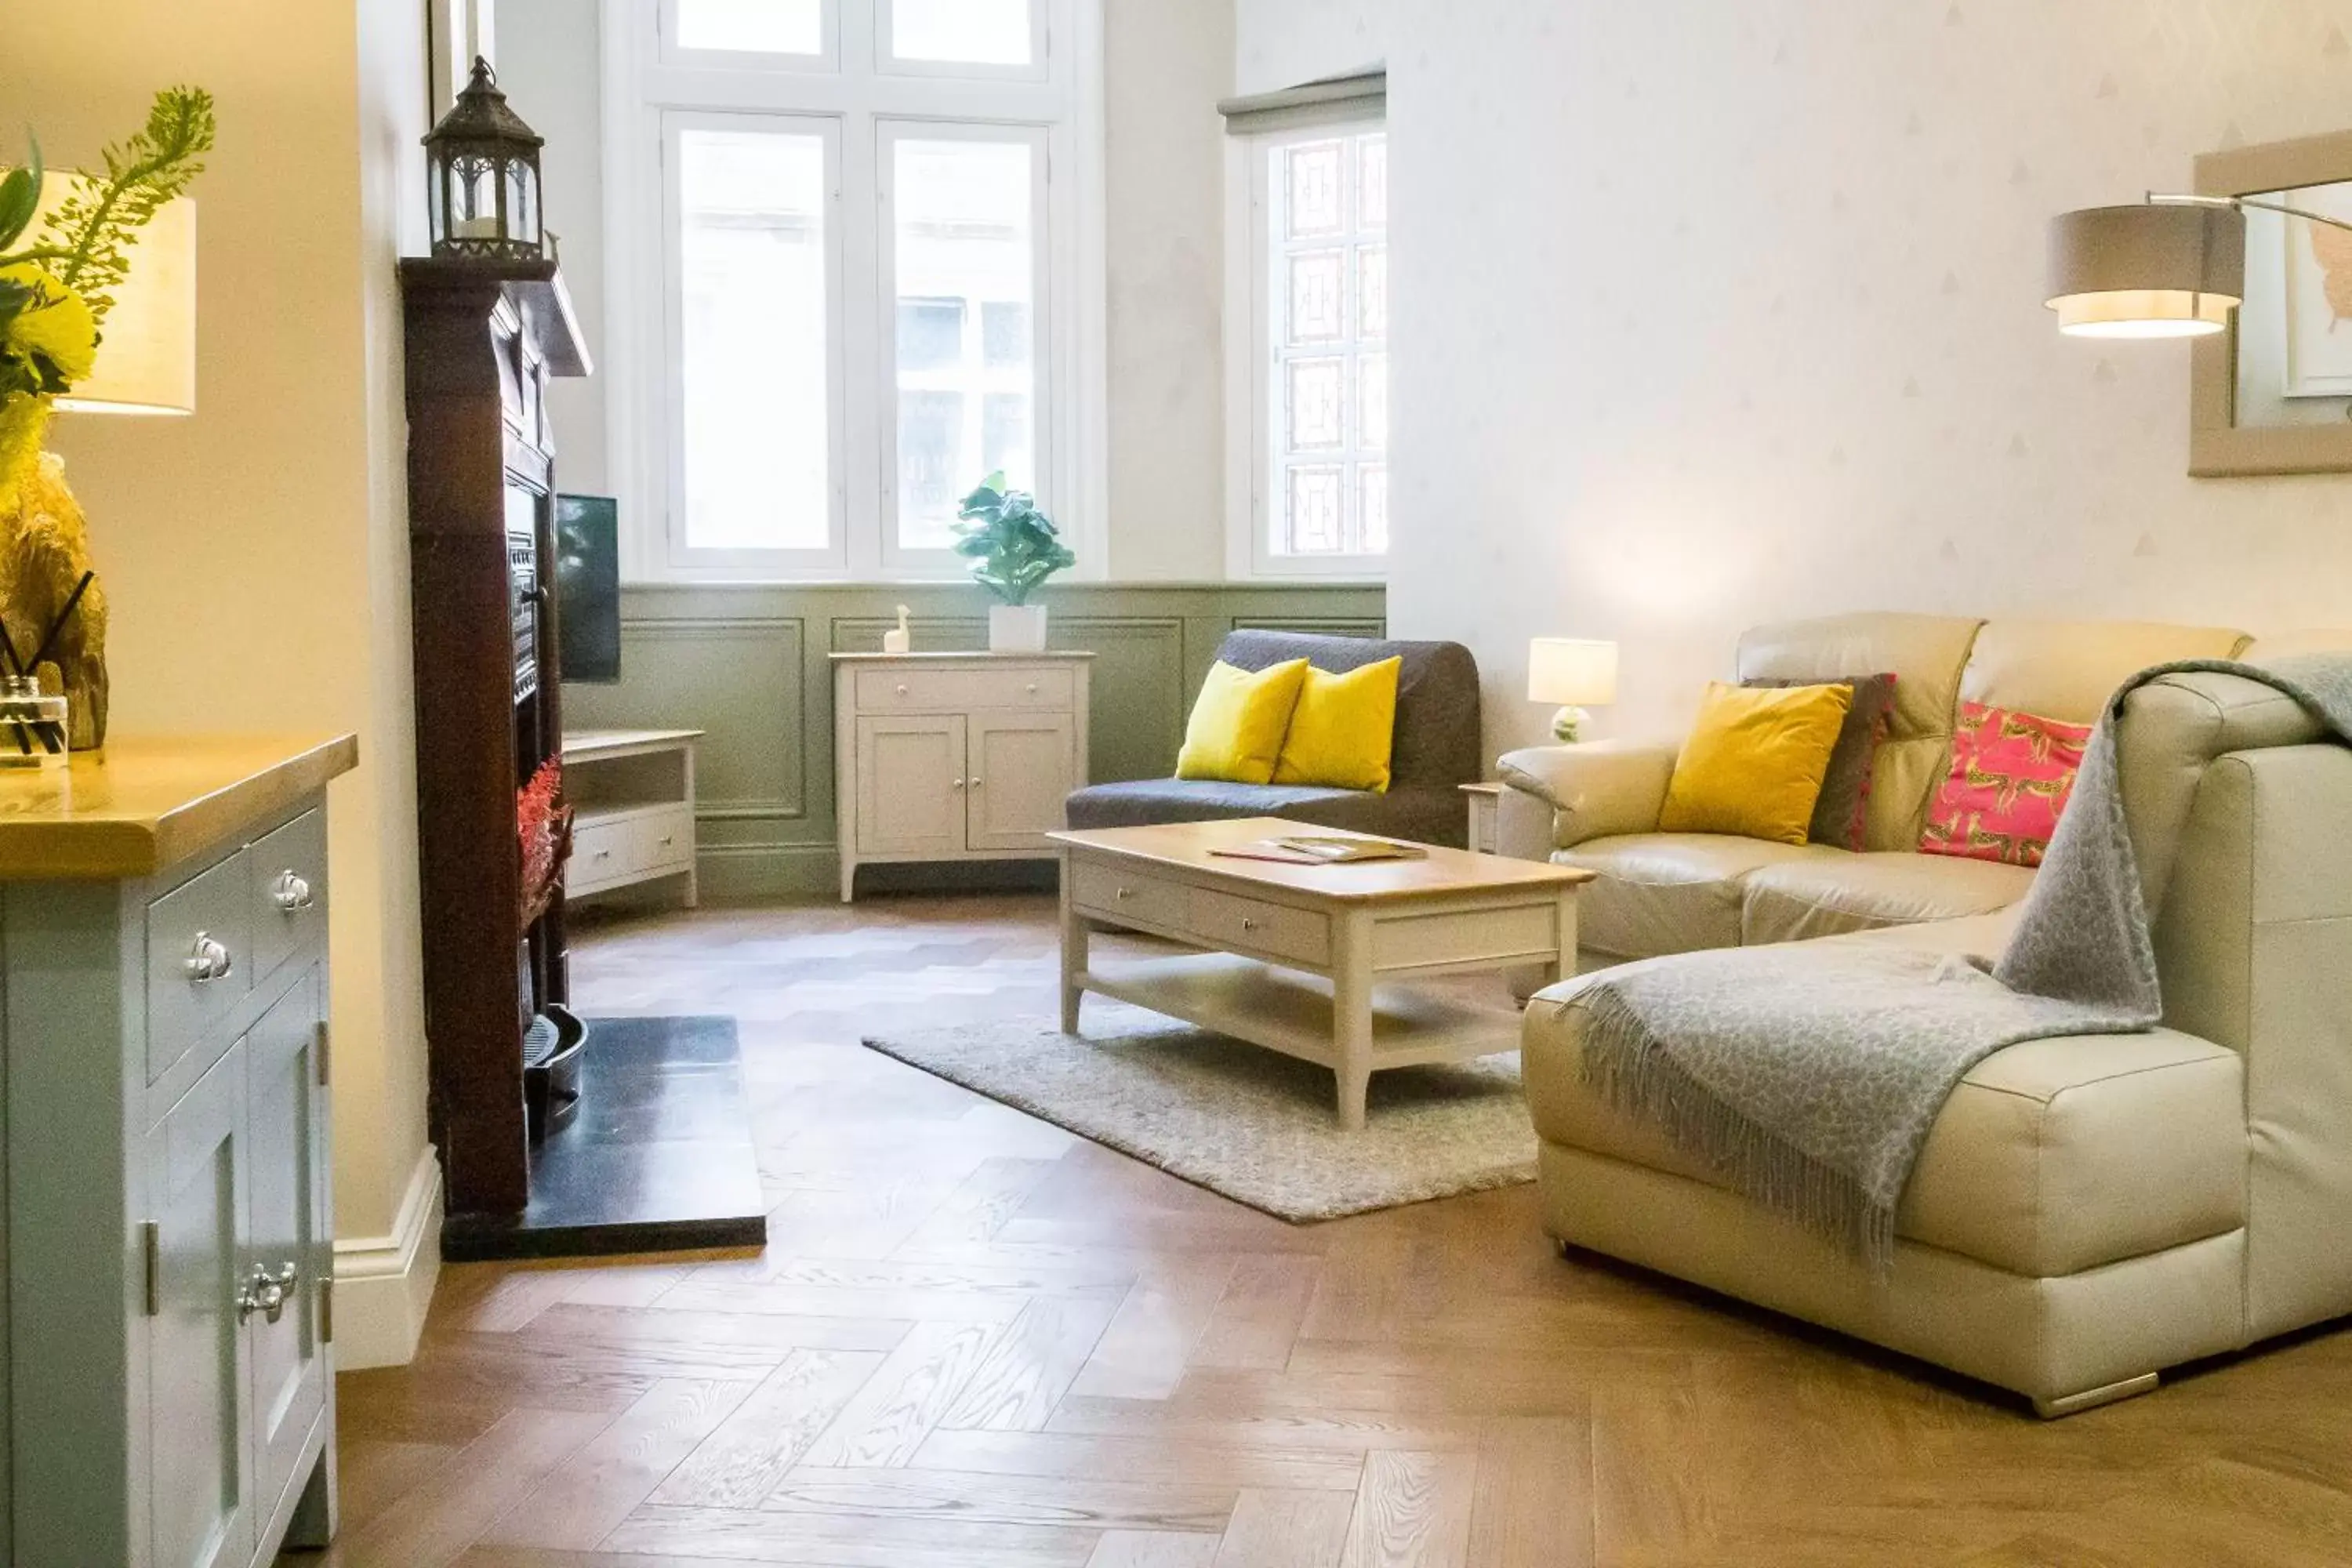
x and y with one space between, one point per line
1013 548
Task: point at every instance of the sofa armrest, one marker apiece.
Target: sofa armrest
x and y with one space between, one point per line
1589 791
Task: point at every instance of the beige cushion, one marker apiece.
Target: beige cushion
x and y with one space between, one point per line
2039 1164
1671 892
1925 653
2068 669
1797 900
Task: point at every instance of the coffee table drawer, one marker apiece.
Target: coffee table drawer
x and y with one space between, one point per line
1222 920
1120 895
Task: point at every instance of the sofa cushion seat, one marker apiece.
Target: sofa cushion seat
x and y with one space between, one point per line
1800 899
1416 813
2050 1157
1673 892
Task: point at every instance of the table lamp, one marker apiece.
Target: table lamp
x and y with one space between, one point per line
1572 672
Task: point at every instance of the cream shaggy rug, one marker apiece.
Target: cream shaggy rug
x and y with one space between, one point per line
1250 1123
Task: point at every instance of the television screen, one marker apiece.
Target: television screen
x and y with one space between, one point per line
588 586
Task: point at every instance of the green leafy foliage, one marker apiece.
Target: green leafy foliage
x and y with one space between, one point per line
20 198
87 240
1013 545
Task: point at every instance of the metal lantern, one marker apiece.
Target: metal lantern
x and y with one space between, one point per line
482 166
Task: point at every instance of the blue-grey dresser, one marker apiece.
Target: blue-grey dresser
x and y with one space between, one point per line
169 1400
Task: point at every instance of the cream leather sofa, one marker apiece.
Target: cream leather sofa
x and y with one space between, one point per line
2087 1211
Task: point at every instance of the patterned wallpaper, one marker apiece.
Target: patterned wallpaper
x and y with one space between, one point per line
1708 314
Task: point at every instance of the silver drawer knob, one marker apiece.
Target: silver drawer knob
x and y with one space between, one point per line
1125 893
267 1292
902 689
1032 688
207 960
1248 924
290 893
975 781
959 783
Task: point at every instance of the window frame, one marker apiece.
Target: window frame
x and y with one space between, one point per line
1254 359
649 86
1039 69
833 556
888 133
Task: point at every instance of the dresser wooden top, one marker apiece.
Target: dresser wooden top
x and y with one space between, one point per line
147 802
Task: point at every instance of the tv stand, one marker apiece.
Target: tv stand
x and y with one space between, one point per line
632 792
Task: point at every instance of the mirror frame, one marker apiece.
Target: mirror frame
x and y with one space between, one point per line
2218 447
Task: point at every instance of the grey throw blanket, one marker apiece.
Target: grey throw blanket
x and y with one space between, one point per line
1808 1074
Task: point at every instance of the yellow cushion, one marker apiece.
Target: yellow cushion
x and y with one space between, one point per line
1754 762
1238 722
1341 729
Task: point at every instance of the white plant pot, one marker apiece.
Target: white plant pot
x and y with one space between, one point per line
1016 629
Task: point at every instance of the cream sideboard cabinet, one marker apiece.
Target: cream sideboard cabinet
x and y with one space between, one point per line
169 1397
954 756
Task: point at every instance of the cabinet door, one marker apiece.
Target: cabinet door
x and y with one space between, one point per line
1023 768
286 1118
910 785
200 1485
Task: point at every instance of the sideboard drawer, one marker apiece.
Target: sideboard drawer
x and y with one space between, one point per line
1118 895
1251 924
602 850
289 891
903 690
664 837
200 958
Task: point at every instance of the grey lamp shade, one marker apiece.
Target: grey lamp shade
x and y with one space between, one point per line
2153 270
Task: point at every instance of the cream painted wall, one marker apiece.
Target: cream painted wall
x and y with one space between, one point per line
1167 63
256 555
1707 315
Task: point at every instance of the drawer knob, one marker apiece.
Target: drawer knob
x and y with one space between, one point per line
604 854
290 893
1248 924
959 783
667 839
1032 688
1125 893
902 689
975 781
207 960
267 1292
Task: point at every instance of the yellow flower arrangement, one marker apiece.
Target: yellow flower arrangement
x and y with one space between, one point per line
55 325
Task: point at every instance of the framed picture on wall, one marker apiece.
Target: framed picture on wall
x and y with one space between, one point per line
2319 289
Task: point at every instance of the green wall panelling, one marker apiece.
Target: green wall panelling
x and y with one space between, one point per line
748 663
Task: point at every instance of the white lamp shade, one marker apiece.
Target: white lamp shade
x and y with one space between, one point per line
147 346
1572 672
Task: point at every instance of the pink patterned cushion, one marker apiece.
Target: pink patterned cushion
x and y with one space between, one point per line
2011 773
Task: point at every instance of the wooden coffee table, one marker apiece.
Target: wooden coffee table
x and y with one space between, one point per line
1303 959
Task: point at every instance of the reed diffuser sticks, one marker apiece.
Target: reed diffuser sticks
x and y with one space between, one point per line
34 722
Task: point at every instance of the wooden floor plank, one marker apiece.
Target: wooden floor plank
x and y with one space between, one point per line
842 1542
1149 1342
1532 1506
437 1521
1256 1320
1031 1365
594 1491
1413 1511
744 1458
985 1497
886 1421
1286 1529
1152 1549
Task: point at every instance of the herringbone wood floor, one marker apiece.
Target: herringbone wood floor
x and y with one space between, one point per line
975 1341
